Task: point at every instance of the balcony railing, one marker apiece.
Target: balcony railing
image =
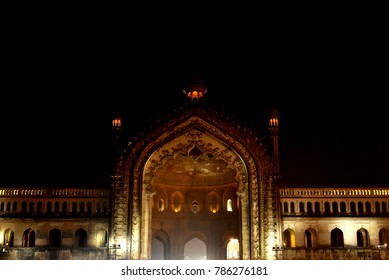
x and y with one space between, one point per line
378 252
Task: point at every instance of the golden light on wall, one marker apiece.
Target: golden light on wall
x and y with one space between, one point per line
212 201
177 202
213 208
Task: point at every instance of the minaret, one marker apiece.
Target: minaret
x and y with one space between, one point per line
274 134
274 130
116 246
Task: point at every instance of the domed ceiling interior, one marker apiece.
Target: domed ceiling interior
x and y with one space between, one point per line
194 158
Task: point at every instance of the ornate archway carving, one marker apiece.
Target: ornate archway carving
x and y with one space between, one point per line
245 155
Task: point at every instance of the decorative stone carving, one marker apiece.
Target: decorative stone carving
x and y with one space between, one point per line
146 153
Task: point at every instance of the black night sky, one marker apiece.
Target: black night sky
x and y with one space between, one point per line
61 89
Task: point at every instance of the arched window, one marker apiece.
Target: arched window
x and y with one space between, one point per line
384 208
289 238
39 206
24 207
317 207
233 249
353 208
360 207
102 238
368 207
28 238
74 207
14 206
384 236
56 207
310 238
31 209
335 207
363 238
327 207
161 205
302 207
195 249
286 208
229 205
309 207
178 201
98 207
105 207
64 207
55 238
157 249
49 207
229 200
337 238
160 246
89 208
292 207
81 238
195 207
212 202
82 207
343 207
8 238
377 207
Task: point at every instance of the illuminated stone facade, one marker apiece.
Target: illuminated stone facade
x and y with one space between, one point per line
66 223
196 175
328 222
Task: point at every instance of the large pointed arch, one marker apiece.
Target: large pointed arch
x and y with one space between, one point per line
163 238
239 148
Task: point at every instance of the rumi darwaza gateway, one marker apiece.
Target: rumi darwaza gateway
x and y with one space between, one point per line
196 184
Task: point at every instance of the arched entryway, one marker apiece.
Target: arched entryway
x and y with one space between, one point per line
28 238
289 238
195 249
157 250
337 239
196 177
363 239
160 246
310 238
194 189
